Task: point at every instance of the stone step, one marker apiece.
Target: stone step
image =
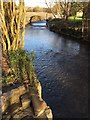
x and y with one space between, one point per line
11 110
25 100
22 115
25 103
25 95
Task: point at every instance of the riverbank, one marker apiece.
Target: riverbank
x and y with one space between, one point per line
70 29
21 96
22 103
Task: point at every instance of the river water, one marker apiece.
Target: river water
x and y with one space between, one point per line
62 68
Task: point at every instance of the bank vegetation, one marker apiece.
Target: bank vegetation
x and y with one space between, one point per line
71 19
17 64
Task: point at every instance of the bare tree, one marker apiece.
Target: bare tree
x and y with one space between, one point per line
49 5
12 20
69 6
85 19
63 7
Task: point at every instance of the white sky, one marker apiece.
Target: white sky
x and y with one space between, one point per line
33 3
40 3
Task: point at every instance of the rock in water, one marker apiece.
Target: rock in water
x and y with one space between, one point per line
39 89
48 113
38 105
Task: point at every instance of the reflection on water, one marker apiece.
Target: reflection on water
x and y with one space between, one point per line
39 24
62 68
41 38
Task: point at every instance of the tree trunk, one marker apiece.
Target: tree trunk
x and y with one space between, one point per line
11 21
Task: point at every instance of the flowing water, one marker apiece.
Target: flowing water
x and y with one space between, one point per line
62 68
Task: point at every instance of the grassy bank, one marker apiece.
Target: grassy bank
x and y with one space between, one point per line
71 28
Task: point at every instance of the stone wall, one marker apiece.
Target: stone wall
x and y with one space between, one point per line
22 103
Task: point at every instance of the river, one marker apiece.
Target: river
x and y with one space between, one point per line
62 68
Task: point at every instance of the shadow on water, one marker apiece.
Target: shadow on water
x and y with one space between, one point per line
62 67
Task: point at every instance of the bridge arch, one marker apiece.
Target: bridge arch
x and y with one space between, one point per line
35 18
43 15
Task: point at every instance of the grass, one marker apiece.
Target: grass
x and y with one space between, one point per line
73 18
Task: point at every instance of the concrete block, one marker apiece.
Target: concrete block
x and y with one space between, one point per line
25 103
22 90
38 105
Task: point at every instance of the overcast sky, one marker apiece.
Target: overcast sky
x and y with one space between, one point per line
41 3
33 3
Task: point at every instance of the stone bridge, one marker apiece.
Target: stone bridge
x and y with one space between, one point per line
37 16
